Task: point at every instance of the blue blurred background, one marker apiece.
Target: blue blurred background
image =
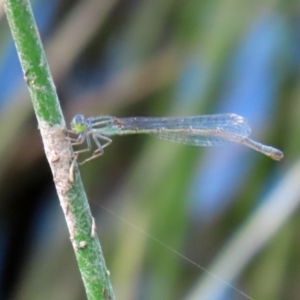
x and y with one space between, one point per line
227 209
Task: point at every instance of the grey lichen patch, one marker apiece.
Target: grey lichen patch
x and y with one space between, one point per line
94 228
59 156
82 244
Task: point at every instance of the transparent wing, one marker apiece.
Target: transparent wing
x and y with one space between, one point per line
192 139
209 130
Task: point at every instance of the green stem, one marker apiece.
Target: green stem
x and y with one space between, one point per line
58 150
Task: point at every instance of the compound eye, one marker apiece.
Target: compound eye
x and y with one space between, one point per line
78 123
79 119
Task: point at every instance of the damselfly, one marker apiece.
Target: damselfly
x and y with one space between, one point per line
205 130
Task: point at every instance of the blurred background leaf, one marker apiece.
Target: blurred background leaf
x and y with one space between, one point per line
227 209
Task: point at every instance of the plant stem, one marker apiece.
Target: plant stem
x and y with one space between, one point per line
58 150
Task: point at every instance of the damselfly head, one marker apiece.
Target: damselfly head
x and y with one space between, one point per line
78 124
